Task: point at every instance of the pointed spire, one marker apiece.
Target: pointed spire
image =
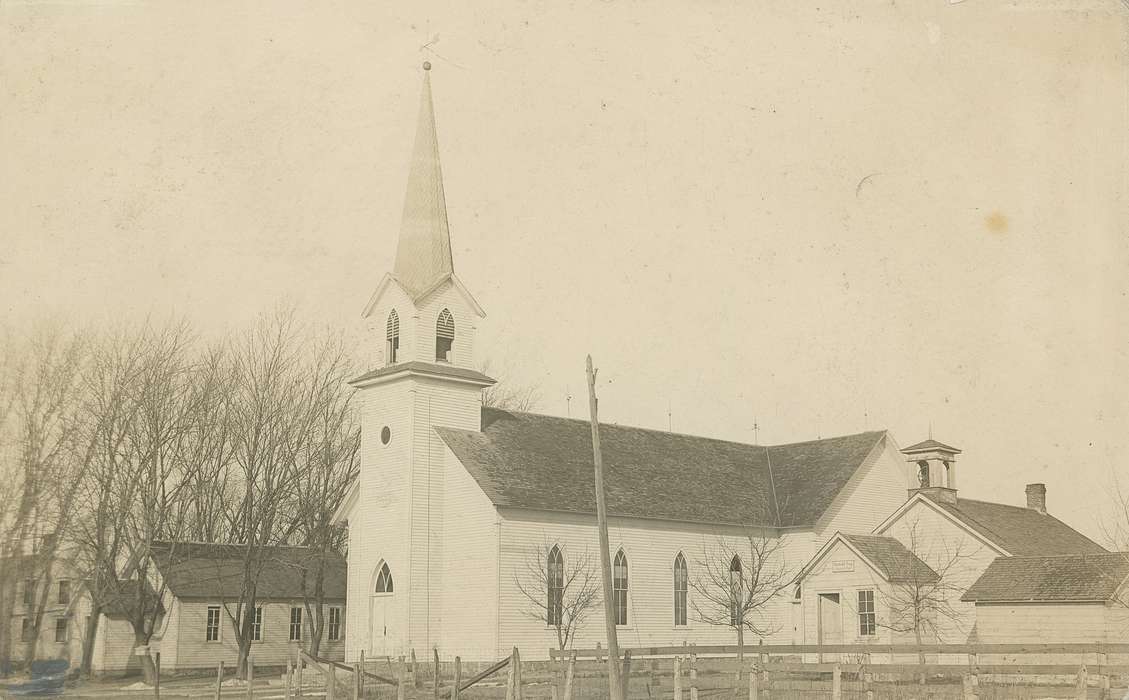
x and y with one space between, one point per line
423 254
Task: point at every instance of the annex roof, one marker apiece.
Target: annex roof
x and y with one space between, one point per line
1021 531
893 560
527 460
1075 578
215 571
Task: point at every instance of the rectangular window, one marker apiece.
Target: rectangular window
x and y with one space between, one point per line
295 624
27 632
334 624
212 633
60 629
29 591
64 592
257 625
866 613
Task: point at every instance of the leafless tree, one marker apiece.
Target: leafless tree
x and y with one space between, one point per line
37 466
508 394
920 600
735 580
562 588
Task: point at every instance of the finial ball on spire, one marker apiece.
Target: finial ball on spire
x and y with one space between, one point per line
427 65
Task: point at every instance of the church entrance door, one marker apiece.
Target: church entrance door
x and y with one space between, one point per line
830 623
380 620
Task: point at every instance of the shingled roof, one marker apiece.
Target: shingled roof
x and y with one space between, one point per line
527 460
1021 531
1079 578
896 563
215 571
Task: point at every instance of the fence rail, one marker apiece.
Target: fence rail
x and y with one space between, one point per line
787 649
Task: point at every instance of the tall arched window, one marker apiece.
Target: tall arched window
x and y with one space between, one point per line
384 579
619 588
681 582
392 337
736 591
555 570
444 336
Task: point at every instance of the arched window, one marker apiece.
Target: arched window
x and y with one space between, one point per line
681 583
444 336
555 570
619 588
736 591
384 579
392 337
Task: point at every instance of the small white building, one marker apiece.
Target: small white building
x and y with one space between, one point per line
1081 598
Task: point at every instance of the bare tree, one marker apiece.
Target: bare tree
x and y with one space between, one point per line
735 581
508 394
561 587
37 467
920 599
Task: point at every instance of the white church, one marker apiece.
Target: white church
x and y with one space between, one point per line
453 498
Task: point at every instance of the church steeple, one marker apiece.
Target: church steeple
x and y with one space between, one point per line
423 253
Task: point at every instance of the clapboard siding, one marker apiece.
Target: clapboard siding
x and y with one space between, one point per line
470 602
943 544
380 518
651 547
842 571
194 651
435 402
1040 622
874 491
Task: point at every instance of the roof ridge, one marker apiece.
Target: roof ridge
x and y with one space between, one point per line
680 434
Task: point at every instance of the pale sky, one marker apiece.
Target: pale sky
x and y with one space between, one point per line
822 216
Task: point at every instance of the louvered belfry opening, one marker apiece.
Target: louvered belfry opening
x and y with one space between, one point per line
392 338
444 336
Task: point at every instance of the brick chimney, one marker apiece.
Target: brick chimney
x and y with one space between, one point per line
1037 497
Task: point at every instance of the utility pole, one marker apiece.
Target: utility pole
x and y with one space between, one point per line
614 686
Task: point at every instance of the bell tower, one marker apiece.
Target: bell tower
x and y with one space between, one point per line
421 321
933 470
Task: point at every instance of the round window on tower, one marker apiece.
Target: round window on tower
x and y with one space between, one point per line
385 435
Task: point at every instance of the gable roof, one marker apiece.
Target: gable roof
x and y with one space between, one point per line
527 460
215 571
1020 531
893 560
1077 578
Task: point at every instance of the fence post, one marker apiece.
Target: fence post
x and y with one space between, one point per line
157 677
400 679
510 676
693 676
362 673
1083 681
413 677
516 661
762 660
435 661
458 678
219 679
357 681
625 676
1103 675
331 683
837 683
568 675
754 683
678 678
301 664
250 677
289 676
